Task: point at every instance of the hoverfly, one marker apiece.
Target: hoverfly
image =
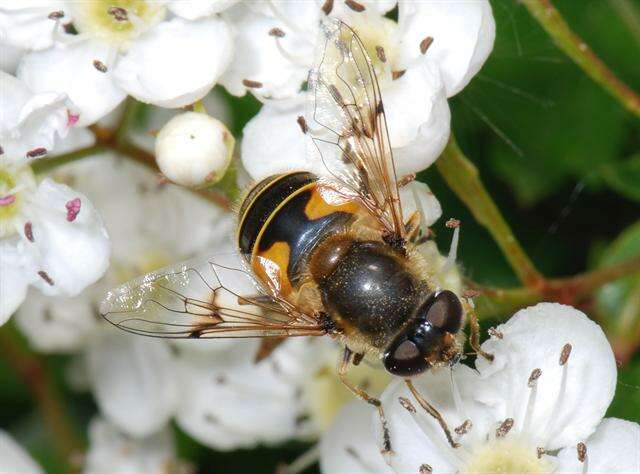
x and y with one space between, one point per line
321 255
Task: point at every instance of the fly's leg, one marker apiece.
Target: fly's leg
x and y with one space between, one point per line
363 395
474 340
431 410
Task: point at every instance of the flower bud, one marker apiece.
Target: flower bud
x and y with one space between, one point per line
194 149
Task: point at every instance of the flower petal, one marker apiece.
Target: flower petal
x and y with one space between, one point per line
30 121
273 141
71 246
417 138
416 437
56 324
194 9
157 70
26 24
570 399
272 72
112 451
417 196
9 57
70 69
348 445
415 99
613 449
14 278
132 381
254 403
154 231
14 458
463 33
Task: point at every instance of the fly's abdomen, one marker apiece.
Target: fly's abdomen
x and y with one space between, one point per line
282 220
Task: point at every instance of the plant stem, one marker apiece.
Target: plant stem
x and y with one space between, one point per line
497 302
38 380
551 20
47 164
147 159
463 178
107 140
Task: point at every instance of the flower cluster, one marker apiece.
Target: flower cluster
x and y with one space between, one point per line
66 237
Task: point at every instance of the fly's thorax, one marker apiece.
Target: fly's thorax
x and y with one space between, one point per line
366 287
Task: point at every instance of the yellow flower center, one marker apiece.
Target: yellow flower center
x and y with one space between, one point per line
116 21
502 456
378 34
12 183
327 395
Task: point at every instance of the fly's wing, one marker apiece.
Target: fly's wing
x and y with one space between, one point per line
346 120
211 298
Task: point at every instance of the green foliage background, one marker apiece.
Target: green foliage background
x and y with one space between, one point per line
558 154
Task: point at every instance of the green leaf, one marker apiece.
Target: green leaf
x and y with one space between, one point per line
616 301
624 177
627 400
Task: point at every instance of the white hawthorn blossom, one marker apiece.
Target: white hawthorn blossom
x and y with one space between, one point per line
537 408
148 223
120 48
429 54
111 452
51 236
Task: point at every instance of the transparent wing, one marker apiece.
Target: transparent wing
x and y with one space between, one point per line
347 123
211 298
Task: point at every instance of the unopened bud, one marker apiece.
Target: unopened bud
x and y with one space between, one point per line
194 149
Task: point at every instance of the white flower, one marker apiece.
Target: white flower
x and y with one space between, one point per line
30 124
111 452
51 236
232 402
129 49
194 9
415 80
29 24
14 458
194 149
552 379
9 57
132 380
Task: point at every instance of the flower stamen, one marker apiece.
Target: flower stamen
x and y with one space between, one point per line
504 428
532 383
425 43
464 428
562 361
7 200
425 469
45 276
581 448
28 231
118 13
564 355
73 208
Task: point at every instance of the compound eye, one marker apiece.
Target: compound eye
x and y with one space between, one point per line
445 312
404 358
